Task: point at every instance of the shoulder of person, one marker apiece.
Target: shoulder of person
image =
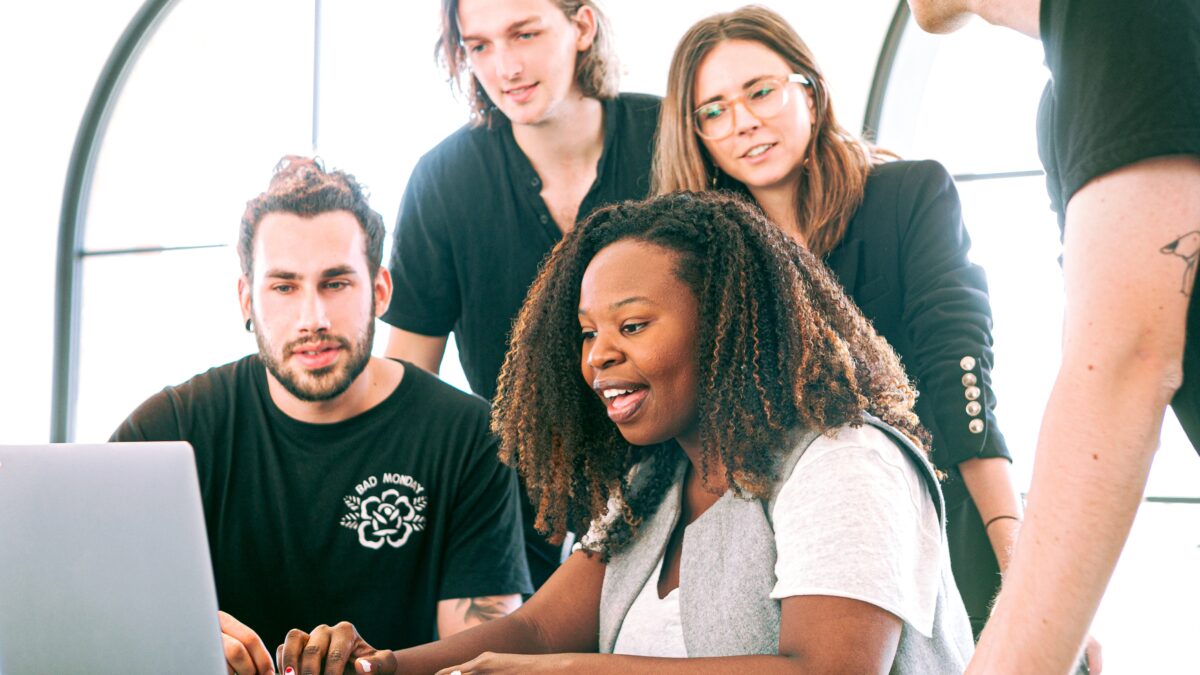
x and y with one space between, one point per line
847 436
639 102
640 109
799 447
218 387
855 454
909 173
468 147
168 414
837 441
446 401
218 384
903 191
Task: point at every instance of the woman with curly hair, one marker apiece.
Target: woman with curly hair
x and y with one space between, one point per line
747 109
699 389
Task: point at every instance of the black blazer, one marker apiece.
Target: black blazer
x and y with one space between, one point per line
904 261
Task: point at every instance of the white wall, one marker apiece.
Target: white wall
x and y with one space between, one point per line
53 52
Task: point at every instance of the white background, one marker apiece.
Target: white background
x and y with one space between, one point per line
225 88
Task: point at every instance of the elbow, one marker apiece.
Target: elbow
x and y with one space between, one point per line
1171 379
1159 370
1149 369
535 635
864 661
802 666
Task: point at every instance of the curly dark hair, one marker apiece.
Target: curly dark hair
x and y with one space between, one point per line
303 187
780 348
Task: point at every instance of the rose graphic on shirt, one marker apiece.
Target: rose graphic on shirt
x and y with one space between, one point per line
388 518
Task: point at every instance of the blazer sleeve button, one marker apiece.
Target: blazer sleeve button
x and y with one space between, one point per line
976 426
967 363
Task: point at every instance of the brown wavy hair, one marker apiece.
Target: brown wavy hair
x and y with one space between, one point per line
780 348
837 164
302 186
597 70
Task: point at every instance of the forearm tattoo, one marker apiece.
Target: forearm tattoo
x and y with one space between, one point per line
1188 248
480 610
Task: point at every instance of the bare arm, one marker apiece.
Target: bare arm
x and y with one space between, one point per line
989 481
459 614
1123 339
558 629
424 351
818 634
563 616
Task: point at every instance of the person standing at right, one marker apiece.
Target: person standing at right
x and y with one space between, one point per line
550 140
1119 135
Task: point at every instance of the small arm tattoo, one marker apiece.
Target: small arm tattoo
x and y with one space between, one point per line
1188 248
481 610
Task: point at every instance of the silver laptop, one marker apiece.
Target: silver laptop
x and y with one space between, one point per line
104 564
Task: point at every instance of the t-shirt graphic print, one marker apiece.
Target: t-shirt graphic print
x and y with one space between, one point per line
383 515
370 520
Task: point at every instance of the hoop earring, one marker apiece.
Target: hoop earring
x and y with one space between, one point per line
249 325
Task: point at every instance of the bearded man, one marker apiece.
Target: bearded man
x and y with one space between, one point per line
336 483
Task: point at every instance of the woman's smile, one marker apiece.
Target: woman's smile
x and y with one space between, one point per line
639 325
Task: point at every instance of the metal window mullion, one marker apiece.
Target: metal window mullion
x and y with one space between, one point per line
76 191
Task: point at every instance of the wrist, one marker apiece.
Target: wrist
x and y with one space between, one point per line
1002 533
995 519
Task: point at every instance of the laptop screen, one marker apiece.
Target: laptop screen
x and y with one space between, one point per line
104 562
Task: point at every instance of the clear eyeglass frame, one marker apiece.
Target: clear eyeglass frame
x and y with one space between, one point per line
754 106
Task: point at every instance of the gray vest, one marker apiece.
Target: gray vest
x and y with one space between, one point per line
728 571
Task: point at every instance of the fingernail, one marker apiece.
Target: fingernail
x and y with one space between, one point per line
366 665
289 671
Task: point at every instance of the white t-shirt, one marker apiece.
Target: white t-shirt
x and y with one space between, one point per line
854 520
652 626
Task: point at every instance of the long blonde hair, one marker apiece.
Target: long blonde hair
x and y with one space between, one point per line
837 164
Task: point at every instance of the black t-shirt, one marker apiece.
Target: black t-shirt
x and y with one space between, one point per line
472 232
473 229
371 520
1125 86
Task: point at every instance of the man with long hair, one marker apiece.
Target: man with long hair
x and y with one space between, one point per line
1119 135
550 139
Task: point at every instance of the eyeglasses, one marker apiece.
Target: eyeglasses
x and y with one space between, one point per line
764 98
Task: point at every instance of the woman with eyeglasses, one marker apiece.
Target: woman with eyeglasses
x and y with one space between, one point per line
747 109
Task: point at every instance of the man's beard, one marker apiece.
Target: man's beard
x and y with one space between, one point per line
325 383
